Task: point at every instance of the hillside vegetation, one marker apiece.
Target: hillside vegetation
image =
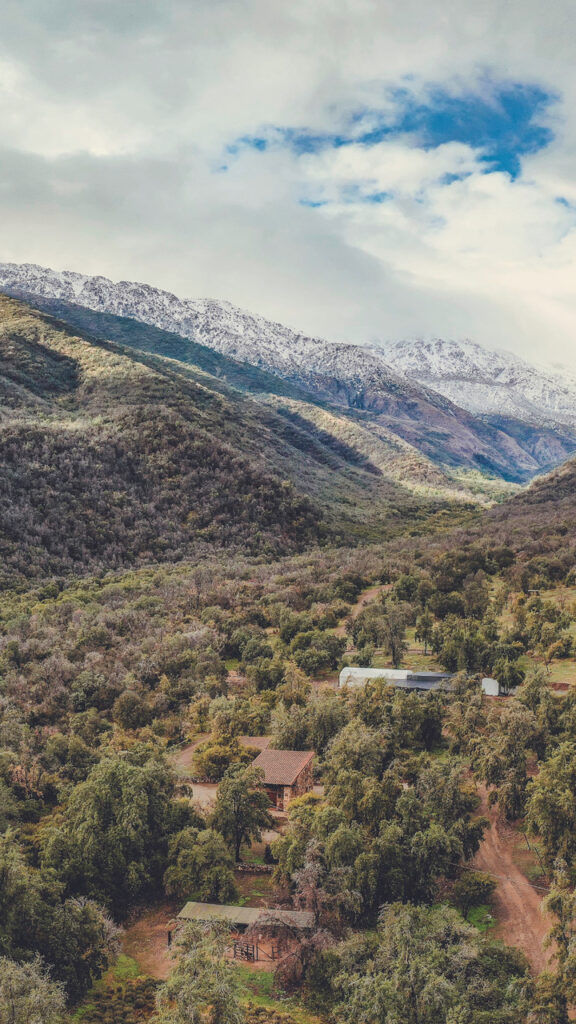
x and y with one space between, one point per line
189 558
111 456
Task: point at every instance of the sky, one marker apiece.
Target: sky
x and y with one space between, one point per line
361 170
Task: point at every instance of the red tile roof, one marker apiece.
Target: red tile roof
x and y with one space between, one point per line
282 767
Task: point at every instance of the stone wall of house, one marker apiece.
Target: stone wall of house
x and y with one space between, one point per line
302 785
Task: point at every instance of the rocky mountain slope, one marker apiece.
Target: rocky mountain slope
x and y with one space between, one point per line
111 456
355 378
495 384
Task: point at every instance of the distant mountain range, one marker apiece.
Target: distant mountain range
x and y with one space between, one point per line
495 384
461 407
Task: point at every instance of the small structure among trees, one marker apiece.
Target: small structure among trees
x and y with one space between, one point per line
407 679
287 774
254 933
404 679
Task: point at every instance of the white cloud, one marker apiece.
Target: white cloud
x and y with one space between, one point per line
115 120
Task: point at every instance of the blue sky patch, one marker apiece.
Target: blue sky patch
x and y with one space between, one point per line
506 121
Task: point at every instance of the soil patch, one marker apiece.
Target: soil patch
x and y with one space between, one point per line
517 904
146 940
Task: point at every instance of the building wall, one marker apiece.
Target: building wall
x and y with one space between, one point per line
281 796
302 785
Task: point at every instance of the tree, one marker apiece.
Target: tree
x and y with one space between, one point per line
27 994
426 966
552 805
561 902
130 711
327 715
203 988
113 841
472 890
395 634
425 630
212 759
509 674
74 936
290 727
200 865
356 747
241 810
78 940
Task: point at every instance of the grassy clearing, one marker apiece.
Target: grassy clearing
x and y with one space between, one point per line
257 988
123 993
482 918
253 889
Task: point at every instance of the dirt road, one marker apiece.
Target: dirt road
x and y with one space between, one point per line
517 904
366 597
146 940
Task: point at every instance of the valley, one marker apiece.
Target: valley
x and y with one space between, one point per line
193 546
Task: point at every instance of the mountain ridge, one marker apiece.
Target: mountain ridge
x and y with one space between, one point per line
113 457
357 378
487 383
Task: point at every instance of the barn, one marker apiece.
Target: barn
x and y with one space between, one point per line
403 679
287 774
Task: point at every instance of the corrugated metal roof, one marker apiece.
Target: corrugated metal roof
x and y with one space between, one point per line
246 915
282 767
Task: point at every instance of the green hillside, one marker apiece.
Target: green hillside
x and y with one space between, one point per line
113 457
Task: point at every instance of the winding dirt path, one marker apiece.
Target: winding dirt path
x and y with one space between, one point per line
517 904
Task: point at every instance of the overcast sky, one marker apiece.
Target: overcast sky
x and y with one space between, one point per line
358 169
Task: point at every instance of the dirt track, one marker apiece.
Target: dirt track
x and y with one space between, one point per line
517 904
146 940
366 597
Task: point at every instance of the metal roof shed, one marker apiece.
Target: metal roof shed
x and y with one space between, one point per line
245 917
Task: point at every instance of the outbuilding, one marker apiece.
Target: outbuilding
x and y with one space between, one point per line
402 678
242 918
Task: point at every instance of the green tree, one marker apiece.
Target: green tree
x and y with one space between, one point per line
200 865
356 747
561 902
290 727
241 810
425 630
28 995
427 966
212 759
551 812
203 988
395 634
113 841
473 889
130 711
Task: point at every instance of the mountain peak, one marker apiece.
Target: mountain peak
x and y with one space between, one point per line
486 382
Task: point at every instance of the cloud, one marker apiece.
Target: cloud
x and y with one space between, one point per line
356 168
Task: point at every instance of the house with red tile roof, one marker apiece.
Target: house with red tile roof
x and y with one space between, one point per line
287 774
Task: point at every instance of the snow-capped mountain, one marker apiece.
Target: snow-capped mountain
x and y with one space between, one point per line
219 325
370 381
496 384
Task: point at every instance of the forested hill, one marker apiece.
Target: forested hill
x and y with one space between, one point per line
112 457
540 523
511 443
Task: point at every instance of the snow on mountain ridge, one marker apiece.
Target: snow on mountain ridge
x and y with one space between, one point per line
447 374
229 330
487 383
